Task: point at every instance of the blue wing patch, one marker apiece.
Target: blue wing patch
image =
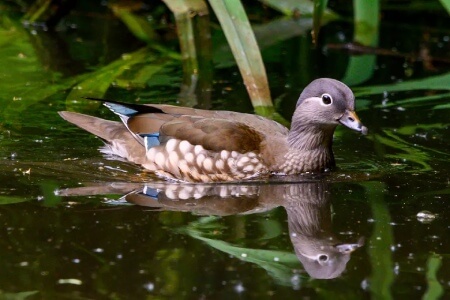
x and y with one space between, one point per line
151 192
121 110
150 140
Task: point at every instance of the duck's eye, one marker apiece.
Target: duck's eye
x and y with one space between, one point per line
326 99
323 258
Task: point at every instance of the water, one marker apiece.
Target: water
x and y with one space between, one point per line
76 225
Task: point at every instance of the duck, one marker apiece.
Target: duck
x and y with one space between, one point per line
195 145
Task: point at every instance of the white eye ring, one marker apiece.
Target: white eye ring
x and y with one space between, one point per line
327 99
323 258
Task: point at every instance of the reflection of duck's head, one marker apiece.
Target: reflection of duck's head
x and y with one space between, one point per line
327 261
309 220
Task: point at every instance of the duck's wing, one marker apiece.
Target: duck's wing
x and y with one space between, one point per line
154 124
213 134
260 123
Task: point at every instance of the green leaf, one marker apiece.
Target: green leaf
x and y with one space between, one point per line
409 152
367 16
17 296
23 78
141 77
97 83
11 200
439 82
412 129
51 199
361 68
416 101
442 106
435 289
270 228
446 4
279 264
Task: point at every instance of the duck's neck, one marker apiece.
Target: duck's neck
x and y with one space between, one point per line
309 150
307 137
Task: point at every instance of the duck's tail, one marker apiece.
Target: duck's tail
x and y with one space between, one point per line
118 140
104 129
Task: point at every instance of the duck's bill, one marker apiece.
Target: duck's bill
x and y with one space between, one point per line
349 248
351 120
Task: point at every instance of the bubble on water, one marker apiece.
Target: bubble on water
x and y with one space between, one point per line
396 269
70 281
295 281
426 216
365 284
239 288
149 286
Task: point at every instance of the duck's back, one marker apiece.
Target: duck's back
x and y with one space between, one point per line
202 145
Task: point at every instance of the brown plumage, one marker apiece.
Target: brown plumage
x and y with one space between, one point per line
196 145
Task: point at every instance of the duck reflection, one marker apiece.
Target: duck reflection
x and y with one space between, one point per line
310 228
307 205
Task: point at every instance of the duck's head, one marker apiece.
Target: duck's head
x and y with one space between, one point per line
326 103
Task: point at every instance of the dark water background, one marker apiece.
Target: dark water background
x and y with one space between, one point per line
256 240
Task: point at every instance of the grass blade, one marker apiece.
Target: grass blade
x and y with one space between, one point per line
319 9
240 36
138 25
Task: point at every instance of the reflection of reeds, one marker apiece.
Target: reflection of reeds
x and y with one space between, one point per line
135 71
193 30
381 241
